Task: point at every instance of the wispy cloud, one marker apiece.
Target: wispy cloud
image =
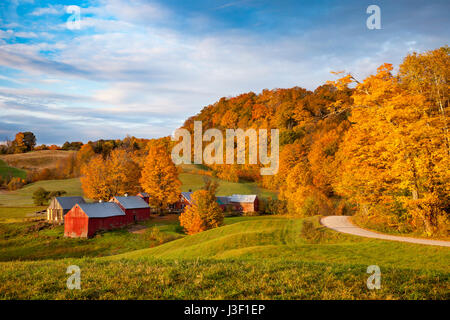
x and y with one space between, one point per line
47 10
142 67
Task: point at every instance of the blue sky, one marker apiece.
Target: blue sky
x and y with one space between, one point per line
142 67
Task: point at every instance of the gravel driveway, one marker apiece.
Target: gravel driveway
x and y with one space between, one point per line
343 224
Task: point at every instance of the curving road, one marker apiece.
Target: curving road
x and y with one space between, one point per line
343 224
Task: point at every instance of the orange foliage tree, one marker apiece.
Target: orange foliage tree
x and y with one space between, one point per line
160 178
116 175
203 214
85 154
394 160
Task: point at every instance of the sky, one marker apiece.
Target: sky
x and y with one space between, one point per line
140 68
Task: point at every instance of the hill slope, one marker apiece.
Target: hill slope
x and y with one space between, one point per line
192 181
23 197
8 171
36 159
249 258
282 239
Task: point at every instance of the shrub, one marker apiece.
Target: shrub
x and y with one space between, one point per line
344 208
40 196
274 206
154 234
310 207
311 233
15 183
57 193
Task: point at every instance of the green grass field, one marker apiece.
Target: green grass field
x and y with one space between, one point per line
248 258
195 182
280 238
23 197
7 171
23 241
18 214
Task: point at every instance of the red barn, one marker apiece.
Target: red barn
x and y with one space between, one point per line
184 200
223 202
145 196
85 219
135 208
244 202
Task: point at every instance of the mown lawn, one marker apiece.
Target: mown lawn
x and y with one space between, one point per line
215 279
281 238
266 257
18 214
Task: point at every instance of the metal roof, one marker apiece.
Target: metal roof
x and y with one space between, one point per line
187 196
242 198
132 202
68 203
101 209
223 200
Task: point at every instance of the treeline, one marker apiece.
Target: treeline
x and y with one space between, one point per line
66 167
378 148
70 167
26 142
23 142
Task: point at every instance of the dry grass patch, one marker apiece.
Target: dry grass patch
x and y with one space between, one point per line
45 159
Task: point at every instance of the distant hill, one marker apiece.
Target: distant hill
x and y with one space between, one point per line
36 159
8 171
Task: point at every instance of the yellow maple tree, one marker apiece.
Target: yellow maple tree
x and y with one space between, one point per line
393 160
204 213
116 175
160 178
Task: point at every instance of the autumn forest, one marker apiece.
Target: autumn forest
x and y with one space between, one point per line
378 147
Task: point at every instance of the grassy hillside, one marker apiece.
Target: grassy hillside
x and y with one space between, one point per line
281 238
23 197
249 258
210 279
17 214
33 240
195 181
8 171
36 159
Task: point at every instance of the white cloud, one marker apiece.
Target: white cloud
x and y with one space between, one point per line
6 34
150 77
25 35
48 10
135 11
